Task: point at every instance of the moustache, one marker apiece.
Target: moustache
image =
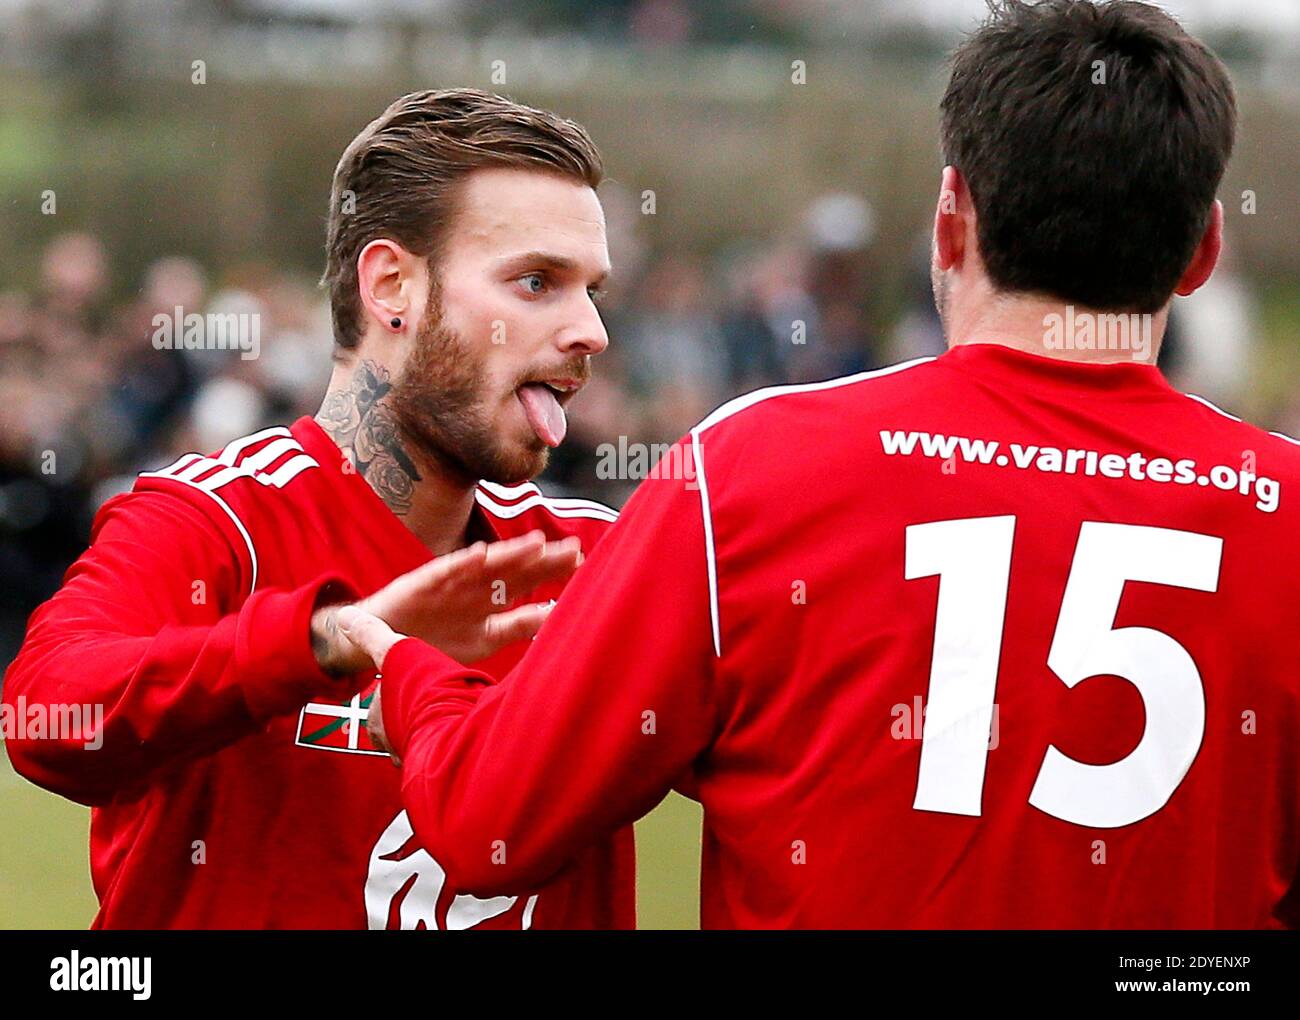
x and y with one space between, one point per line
579 371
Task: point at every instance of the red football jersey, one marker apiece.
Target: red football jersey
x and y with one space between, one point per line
987 640
236 785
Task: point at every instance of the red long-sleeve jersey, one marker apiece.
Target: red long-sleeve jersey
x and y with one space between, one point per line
233 784
987 640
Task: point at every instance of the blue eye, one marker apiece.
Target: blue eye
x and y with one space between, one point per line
530 279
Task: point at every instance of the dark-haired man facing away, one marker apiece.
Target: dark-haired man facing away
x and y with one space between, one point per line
1003 638
232 781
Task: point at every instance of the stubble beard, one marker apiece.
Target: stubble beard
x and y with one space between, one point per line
439 404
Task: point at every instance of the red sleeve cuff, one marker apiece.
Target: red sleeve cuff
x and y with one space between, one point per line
413 674
273 653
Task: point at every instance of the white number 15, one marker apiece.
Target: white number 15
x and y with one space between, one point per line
973 560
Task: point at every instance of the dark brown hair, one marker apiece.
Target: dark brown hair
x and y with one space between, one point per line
1092 137
398 177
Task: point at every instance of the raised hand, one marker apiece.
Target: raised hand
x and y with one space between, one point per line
457 602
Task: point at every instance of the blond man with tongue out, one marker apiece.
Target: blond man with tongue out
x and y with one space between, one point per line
465 248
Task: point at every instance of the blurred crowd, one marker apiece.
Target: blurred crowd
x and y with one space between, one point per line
87 399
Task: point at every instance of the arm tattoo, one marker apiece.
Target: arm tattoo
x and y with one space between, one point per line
362 423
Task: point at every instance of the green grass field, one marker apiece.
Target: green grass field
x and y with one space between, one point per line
45 874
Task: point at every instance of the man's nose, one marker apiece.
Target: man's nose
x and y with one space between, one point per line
586 334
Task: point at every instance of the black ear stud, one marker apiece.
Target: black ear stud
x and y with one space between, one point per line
396 323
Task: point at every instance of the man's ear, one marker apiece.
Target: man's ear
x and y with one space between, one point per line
385 283
951 220
1207 254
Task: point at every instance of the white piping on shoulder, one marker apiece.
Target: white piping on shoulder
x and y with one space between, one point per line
234 448
735 406
1219 410
248 541
189 466
710 556
767 393
510 491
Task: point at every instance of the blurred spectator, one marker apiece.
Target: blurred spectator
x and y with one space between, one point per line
87 399
673 346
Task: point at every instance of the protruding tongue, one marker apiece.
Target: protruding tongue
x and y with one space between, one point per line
544 412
